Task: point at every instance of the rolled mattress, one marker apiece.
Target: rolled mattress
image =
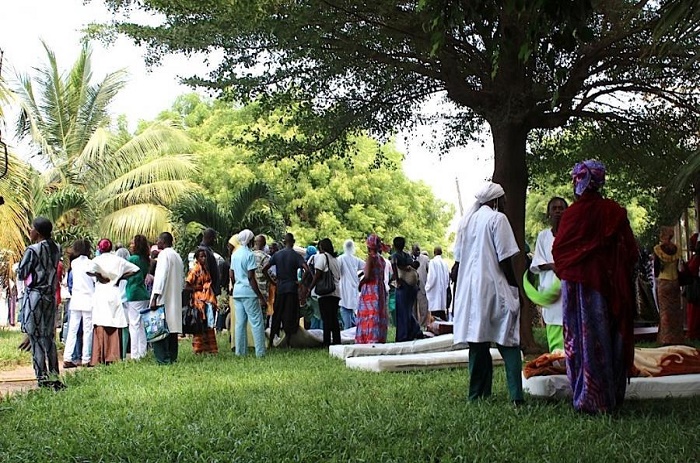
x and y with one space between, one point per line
558 387
412 362
442 343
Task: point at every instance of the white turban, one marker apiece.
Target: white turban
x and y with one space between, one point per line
245 236
349 247
488 192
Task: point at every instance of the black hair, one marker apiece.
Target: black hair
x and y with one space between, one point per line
166 238
399 243
555 199
327 245
43 226
81 248
141 247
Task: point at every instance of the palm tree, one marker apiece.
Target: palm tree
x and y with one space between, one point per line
107 181
253 207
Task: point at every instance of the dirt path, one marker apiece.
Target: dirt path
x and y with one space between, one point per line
19 379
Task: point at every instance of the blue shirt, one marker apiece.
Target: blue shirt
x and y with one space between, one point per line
242 261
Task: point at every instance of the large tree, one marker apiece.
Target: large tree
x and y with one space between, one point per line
517 65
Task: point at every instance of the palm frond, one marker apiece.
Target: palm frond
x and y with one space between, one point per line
146 219
251 197
687 175
65 201
161 137
163 193
15 213
198 209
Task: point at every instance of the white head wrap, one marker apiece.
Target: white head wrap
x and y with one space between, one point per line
349 247
245 236
123 253
488 192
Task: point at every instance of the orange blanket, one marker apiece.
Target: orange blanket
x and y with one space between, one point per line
659 361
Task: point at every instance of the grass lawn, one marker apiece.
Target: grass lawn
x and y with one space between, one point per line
305 406
10 356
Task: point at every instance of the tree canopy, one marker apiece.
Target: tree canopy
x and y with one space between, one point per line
367 66
336 198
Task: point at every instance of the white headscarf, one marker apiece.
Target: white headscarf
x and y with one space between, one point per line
349 247
488 192
245 236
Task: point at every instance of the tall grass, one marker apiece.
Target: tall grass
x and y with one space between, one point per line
305 406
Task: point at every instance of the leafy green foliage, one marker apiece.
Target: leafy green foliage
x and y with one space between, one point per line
99 181
336 198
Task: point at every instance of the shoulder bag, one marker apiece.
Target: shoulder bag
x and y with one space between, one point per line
326 284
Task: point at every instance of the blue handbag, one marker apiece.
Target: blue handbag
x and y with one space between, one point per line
154 323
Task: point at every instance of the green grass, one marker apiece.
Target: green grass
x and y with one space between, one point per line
10 356
305 406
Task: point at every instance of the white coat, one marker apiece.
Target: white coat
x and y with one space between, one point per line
553 313
437 284
168 282
486 307
350 265
107 308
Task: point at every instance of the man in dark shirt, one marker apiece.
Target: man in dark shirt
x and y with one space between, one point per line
286 308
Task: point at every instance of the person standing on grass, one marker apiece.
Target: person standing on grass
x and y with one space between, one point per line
286 311
543 264
422 310
83 289
39 268
261 258
486 303
438 285
199 283
208 240
327 261
350 266
666 258
167 291
372 311
137 295
595 254
406 278
108 315
247 297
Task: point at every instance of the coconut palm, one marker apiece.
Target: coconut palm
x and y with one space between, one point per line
110 181
253 207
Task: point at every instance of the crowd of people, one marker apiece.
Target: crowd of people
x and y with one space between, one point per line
589 250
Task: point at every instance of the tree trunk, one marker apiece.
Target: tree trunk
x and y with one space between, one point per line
510 171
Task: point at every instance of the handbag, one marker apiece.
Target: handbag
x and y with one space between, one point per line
326 284
154 323
192 322
410 276
211 318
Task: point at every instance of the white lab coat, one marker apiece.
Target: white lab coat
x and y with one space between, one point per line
437 284
107 308
552 314
486 307
350 264
168 282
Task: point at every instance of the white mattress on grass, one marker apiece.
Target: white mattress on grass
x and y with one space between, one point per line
411 362
442 343
558 387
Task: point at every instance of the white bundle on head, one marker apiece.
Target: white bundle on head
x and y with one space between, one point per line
486 193
349 247
245 237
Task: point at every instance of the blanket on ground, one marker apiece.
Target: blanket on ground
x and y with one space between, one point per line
648 362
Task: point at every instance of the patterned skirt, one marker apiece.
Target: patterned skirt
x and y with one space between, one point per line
205 343
372 320
670 313
594 350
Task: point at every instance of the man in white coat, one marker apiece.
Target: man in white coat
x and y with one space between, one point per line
437 285
167 291
350 265
543 264
487 304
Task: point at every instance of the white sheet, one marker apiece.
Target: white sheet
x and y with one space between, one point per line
557 387
442 343
412 362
